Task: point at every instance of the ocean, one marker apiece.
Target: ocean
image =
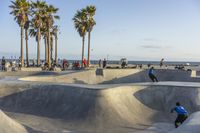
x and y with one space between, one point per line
146 62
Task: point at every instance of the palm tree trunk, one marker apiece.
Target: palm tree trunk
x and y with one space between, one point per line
51 48
48 48
56 49
88 60
38 48
27 59
22 46
83 45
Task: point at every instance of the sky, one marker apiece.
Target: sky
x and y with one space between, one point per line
140 30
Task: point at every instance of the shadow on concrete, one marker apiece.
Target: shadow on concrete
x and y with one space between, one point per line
163 98
76 81
69 103
30 130
137 126
162 75
46 73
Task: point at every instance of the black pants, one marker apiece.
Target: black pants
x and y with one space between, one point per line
3 68
180 119
153 77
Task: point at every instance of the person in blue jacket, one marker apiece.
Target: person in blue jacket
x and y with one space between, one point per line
182 114
152 75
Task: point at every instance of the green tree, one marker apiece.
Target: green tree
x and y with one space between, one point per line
45 35
50 16
90 10
38 12
20 11
80 23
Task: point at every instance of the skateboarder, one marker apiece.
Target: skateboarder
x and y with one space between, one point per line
182 114
151 75
161 62
3 63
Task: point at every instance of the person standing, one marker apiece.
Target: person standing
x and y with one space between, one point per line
148 65
84 62
100 63
104 63
3 63
152 75
182 114
19 65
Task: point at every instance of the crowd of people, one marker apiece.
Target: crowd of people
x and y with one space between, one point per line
102 63
6 65
14 64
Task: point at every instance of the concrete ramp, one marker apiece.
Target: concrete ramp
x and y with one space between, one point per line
163 98
7 125
111 109
114 76
87 110
191 125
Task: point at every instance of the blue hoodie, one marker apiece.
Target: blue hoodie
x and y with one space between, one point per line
151 71
180 110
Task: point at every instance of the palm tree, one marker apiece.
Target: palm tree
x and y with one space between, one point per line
33 32
26 27
80 23
38 10
90 24
45 35
50 16
20 9
55 33
51 44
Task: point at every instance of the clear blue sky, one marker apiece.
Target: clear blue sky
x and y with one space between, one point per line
136 29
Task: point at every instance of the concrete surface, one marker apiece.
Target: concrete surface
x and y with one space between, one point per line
191 125
95 104
114 76
7 125
113 109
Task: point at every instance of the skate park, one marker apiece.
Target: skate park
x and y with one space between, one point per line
99 66
97 101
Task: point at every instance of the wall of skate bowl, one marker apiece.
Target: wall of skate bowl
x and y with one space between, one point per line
163 98
18 73
110 108
191 125
113 76
84 77
7 125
